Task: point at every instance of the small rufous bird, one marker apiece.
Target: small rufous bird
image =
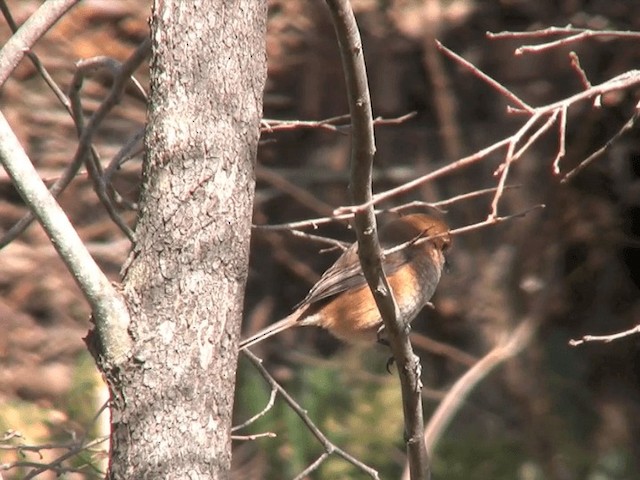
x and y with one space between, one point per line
341 301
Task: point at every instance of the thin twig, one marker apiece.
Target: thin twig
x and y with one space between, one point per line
301 195
575 65
73 449
84 144
508 94
503 169
512 157
406 187
328 446
291 228
268 406
255 436
604 338
269 125
568 30
312 468
470 196
551 120
571 39
490 220
332 124
587 161
316 222
92 162
573 35
494 221
562 135
332 242
132 147
313 223
55 465
443 349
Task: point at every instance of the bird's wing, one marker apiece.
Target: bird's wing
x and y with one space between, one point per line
346 273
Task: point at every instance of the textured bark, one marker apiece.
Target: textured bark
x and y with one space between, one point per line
172 403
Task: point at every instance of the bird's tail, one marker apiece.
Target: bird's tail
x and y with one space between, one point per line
270 331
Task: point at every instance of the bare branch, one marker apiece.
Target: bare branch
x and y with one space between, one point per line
333 243
369 251
11 54
490 220
131 148
56 464
110 312
84 144
301 195
508 94
598 153
493 221
73 448
316 222
575 65
510 347
446 202
562 135
255 436
571 39
625 80
573 35
605 338
33 29
568 30
328 446
109 309
40 68
333 124
313 467
406 187
92 162
268 406
443 349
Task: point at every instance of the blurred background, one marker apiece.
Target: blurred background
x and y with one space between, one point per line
553 412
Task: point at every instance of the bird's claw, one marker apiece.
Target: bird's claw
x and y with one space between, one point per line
390 361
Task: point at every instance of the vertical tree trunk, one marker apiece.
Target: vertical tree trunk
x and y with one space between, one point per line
172 403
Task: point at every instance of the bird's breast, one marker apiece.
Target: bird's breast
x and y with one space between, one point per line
353 315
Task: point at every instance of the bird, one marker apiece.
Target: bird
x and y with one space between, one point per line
341 301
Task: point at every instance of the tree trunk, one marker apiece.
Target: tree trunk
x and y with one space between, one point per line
172 403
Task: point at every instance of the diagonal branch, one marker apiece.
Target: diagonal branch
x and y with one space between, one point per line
110 312
328 446
28 34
